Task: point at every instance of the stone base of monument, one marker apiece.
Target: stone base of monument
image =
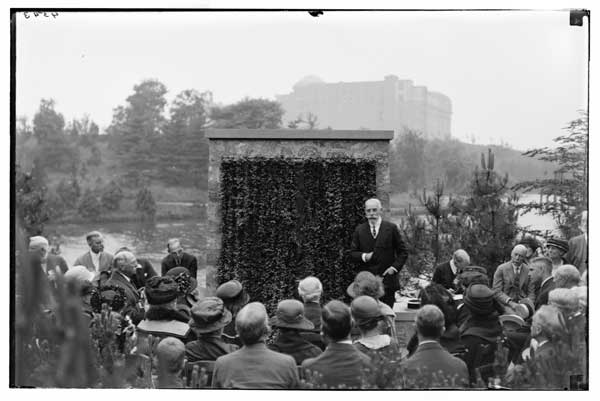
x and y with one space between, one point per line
405 321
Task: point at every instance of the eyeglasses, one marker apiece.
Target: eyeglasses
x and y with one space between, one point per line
371 210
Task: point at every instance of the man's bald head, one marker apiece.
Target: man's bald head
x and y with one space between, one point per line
252 323
461 258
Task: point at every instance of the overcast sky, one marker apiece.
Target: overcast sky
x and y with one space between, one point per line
516 76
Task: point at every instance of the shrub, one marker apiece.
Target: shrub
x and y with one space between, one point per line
89 206
283 220
111 197
145 204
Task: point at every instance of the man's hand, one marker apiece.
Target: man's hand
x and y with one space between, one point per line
389 270
367 256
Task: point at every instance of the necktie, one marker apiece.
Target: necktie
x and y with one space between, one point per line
373 231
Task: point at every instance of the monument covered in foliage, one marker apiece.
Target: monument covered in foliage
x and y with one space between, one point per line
283 205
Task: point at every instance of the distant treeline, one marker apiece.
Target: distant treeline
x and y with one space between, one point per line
161 146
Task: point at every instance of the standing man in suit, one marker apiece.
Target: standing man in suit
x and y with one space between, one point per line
578 247
511 279
431 365
177 257
378 247
445 273
95 260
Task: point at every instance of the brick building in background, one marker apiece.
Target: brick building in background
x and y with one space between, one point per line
391 104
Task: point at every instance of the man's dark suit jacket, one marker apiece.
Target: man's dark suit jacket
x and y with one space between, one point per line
339 365
578 253
188 261
444 275
56 260
388 250
542 298
429 364
143 274
131 307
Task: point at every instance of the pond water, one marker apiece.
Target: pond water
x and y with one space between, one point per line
149 240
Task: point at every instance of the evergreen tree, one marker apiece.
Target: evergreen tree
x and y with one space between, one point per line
111 196
54 150
485 222
30 202
145 204
564 196
184 149
89 206
248 113
136 129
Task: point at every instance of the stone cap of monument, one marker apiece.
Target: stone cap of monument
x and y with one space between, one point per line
326 134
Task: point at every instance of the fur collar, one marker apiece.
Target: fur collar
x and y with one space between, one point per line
161 313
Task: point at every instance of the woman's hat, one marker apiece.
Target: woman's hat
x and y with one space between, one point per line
365 309
209 314
230 290
366 283
290 315
182 276
558 243
479 298
161 290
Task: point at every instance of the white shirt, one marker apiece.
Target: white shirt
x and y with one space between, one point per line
377 225
428 341
453 266
345 342
95 259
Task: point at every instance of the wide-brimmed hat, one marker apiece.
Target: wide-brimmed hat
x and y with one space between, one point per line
558 243
209 314
182 276
232 289
365 309
290 315
511 321
79 274
160 290
365 283
479 298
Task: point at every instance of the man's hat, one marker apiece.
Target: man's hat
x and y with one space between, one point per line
209 314
230 290
512 321
160 290
558 243
183 278
365 309
290 315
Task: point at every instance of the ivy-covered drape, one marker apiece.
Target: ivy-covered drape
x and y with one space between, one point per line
285 219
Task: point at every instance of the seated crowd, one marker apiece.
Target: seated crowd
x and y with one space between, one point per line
469 330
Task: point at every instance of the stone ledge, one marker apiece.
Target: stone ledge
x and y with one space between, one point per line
294 134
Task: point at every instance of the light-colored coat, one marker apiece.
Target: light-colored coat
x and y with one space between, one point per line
506 285
105 264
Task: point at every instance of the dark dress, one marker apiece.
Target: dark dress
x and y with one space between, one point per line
291 342
479 335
